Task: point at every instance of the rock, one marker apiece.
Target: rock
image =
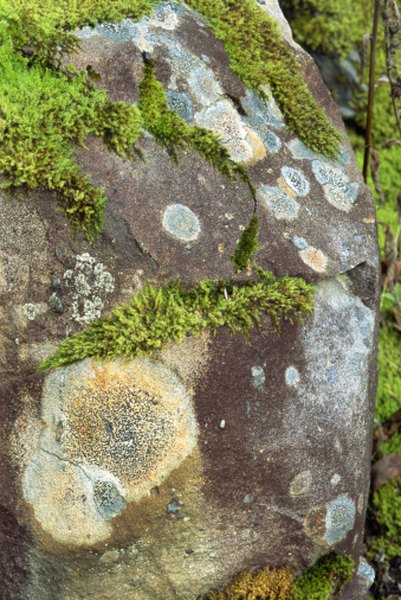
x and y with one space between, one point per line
131 477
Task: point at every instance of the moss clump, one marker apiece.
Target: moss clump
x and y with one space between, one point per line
43 28
44 113
247 245
157 316
266 584
259 56
325 579
387 504
173 132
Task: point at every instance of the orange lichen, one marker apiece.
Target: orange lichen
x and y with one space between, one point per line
266 584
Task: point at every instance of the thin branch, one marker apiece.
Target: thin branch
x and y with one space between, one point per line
372 70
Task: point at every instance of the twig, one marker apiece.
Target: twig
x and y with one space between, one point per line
372 70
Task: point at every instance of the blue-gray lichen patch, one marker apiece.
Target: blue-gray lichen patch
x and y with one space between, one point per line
181 223
296 180
181 103
258 376
292 377
279 204
108 500
338 189
338 338
340 518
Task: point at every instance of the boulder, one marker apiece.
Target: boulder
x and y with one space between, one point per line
167 474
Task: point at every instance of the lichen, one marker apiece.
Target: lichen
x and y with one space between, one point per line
247 245
158 315
325 579
266 584
47 109
173 132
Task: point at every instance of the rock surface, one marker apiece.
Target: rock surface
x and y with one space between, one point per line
132 479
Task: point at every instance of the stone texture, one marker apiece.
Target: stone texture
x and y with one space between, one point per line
132 479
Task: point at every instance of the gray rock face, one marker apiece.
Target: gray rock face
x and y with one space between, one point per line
132 479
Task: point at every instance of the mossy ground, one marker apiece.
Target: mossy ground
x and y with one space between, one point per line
39 129
158 315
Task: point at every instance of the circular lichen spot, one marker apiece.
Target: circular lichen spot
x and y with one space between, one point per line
292 377
296 180
108 500
280 204
340 518
181 223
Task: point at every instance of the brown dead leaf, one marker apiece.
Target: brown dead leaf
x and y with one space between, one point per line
385 469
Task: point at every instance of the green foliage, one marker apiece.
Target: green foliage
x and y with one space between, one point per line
393 445
259 56
387 503
45 26
247 245
328 26
44 113
325 579
157 316
388 399
173 132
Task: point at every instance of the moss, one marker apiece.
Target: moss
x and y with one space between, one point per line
46 110
387 505
328 26
259 56
157 316
325 579
266 584
44 113
247 245
173 132
388 399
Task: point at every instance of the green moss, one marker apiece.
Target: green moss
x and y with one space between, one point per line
247 245
46 110
393 445
388 399
157 316
259 56
387 504
325 579
44 113
328 26
173 132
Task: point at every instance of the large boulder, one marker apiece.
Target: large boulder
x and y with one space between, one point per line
165 476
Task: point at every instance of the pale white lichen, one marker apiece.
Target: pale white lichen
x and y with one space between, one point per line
89 282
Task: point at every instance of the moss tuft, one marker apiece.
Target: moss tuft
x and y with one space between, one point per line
173 132
387 504
325 579
260 56
157 316
266 584
247 245
43 114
